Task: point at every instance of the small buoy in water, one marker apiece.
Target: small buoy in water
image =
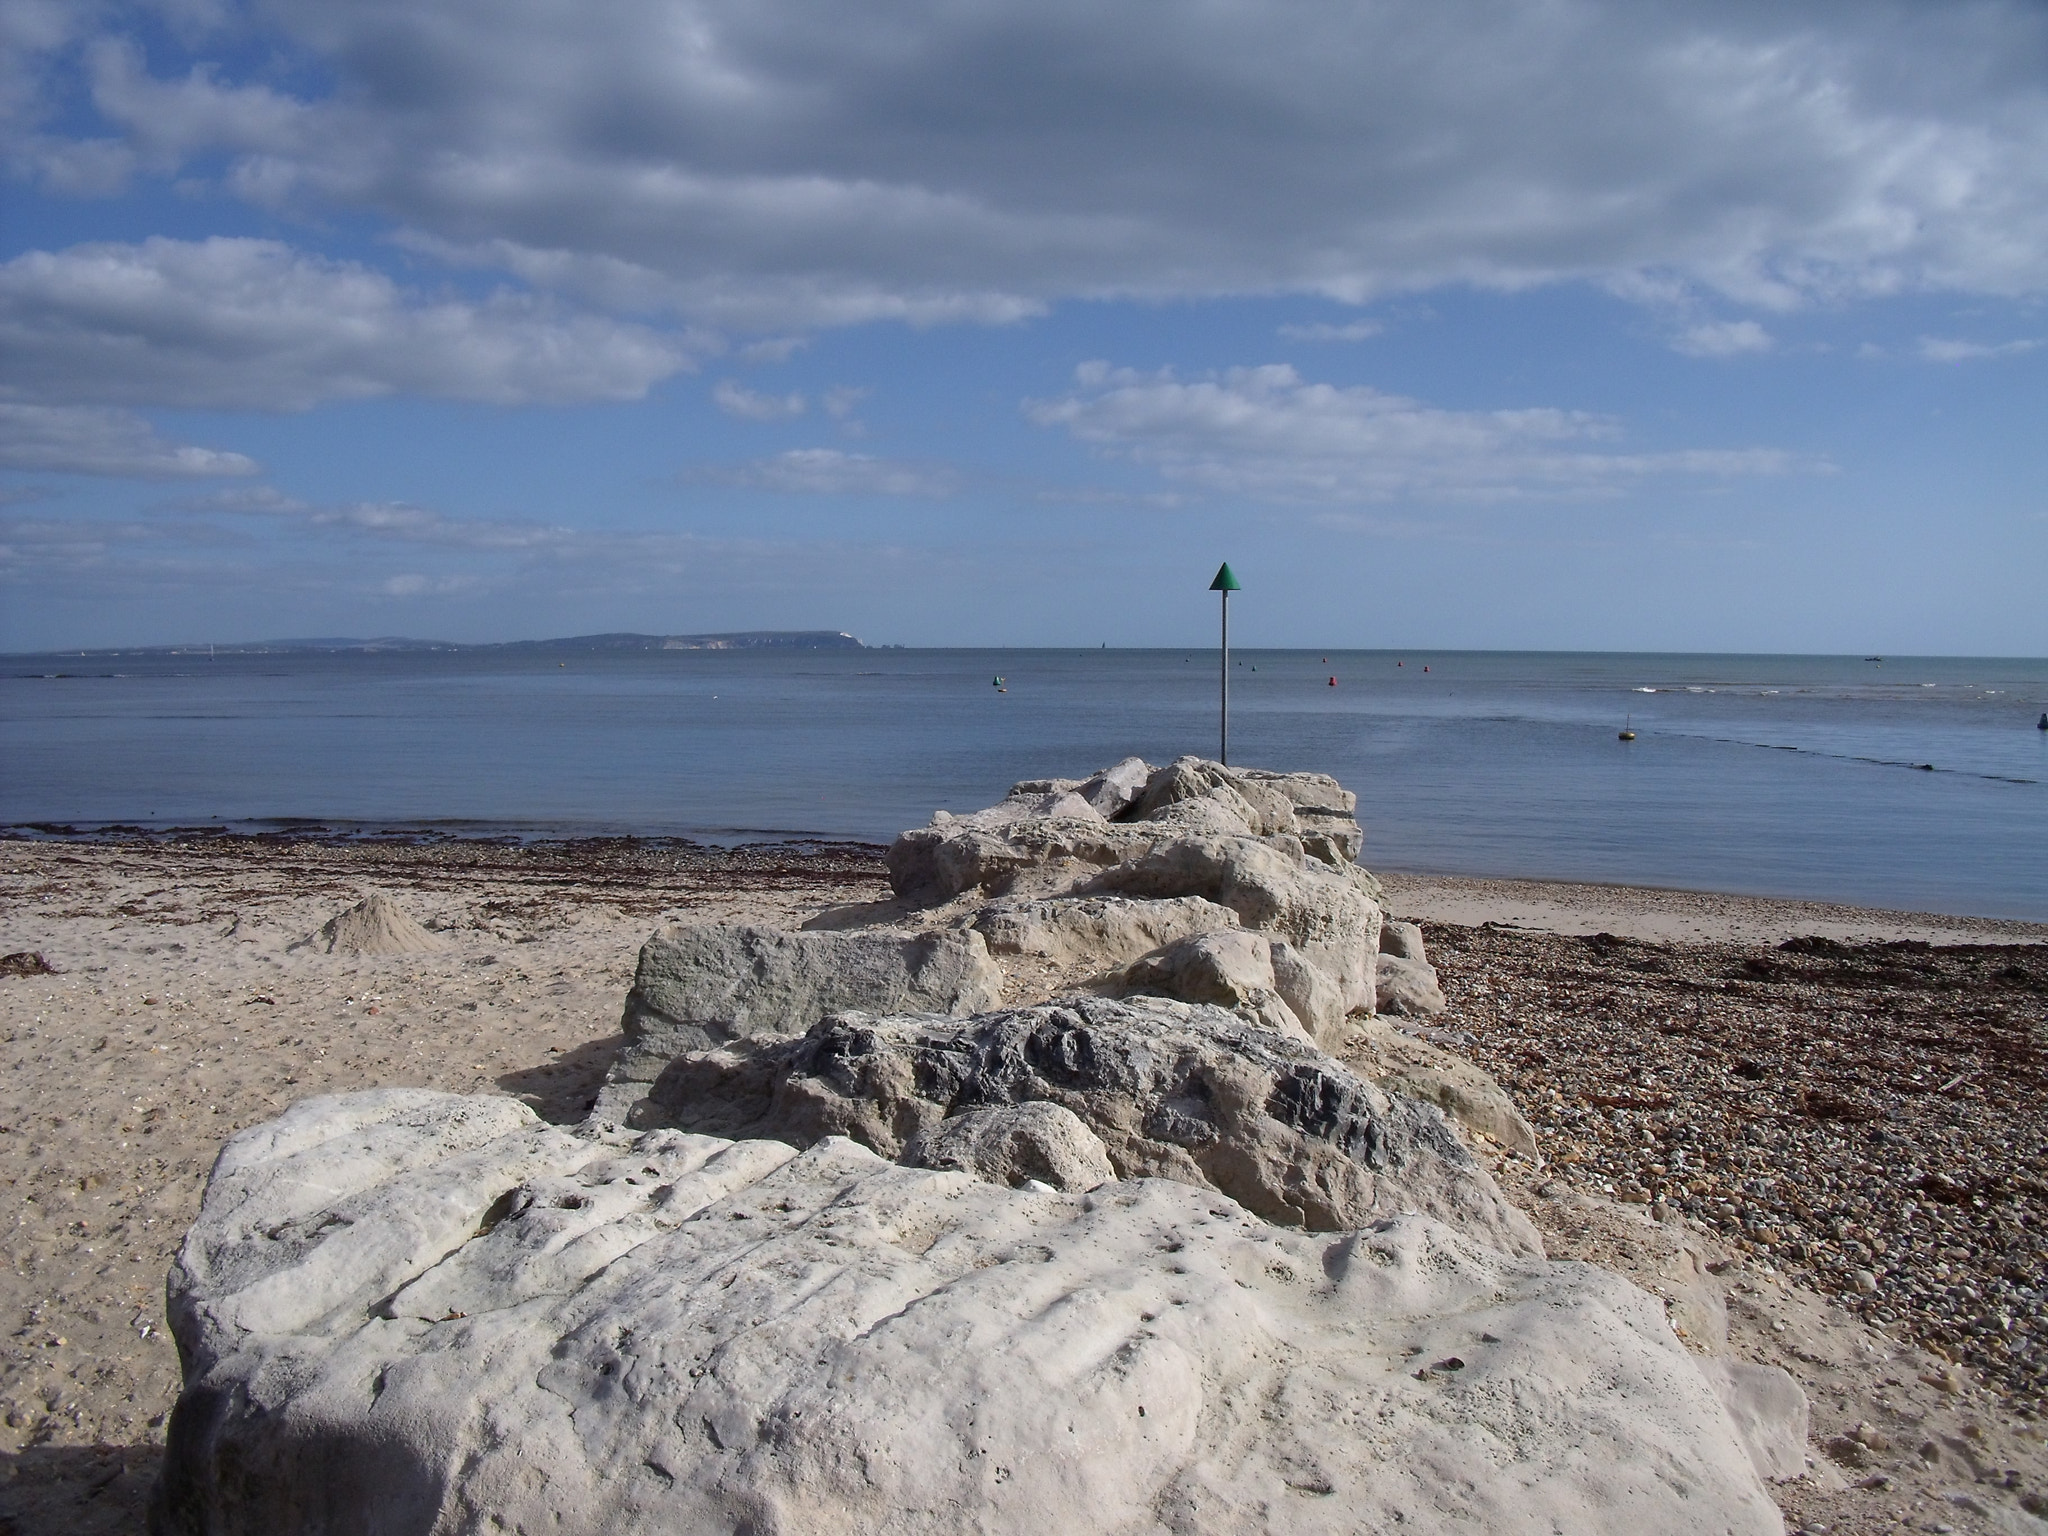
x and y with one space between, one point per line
1333 682
1628 735
2043 726
561 663
1425 669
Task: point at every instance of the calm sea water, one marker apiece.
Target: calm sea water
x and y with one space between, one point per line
1779 775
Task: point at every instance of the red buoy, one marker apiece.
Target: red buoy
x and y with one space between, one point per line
1333 682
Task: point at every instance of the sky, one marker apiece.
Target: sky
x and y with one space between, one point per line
1518 324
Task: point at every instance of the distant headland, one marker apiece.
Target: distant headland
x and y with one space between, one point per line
741 640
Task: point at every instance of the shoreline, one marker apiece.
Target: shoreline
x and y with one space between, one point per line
1666 914
178 1011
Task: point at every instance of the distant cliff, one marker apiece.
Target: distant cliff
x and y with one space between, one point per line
742 640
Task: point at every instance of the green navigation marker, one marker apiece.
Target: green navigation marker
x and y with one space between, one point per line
1226 582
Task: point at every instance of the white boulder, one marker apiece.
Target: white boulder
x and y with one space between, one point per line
406 1312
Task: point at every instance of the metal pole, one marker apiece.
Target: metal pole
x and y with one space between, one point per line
1226 582
1223 750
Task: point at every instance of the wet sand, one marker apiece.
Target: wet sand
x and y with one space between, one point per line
176 1012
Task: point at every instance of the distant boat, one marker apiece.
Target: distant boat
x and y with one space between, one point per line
1873 658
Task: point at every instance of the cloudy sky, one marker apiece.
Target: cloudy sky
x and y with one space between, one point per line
1488 323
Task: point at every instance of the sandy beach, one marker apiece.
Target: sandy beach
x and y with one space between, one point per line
1844 1131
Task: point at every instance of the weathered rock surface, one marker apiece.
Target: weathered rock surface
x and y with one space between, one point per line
1467 1092
1407 987
1013 1144
1173 1090
1316 1000
1231 969
1030 844
1095 933
1403 940
1116 789
376 925
1273 889
701 984
406 1312
1049 834
1770 1413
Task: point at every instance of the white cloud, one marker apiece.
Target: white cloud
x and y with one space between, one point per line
413 584
762 163
84 440
735 400
773 349
1937 350
829 472
254 324
842 400
389 520
1723 338
229 570
1357 330
164 121
1266 434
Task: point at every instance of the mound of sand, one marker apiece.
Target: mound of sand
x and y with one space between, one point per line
377 925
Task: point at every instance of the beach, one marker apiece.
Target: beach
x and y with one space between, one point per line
1844 1132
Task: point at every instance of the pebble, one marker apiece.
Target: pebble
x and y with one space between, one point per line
1870 1119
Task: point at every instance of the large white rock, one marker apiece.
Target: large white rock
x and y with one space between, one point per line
403 1312
1046 834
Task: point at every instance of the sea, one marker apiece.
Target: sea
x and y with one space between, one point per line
1910 783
